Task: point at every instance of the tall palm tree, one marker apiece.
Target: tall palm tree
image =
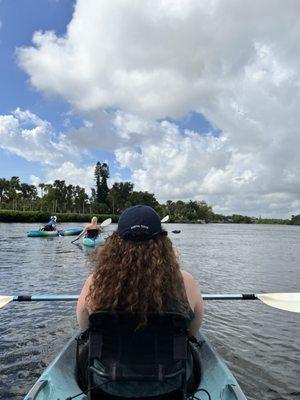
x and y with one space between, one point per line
42 187
3 187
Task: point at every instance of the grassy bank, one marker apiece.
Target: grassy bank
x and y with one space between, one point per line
36 216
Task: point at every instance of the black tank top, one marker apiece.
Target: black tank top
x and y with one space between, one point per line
92 233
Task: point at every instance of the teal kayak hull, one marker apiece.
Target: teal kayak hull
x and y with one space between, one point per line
65 232
93 242
39 233
58 380
71 231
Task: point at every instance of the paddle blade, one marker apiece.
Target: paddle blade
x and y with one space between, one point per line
106 222
5 300
283 301
165 219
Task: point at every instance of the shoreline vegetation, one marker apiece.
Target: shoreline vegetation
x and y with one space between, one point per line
40 217
21 202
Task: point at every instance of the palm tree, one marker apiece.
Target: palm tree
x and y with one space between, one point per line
42 187
13 190
3 188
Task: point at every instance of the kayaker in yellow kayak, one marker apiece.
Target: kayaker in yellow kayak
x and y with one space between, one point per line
91 231
137 271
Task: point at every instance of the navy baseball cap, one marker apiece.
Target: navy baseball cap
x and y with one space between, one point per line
140 223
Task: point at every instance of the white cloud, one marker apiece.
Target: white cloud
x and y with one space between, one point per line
35 180
188 165
237 63
162 57
97 132
77 175
170 163
72 174
26 135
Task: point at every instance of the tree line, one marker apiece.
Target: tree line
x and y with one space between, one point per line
60 197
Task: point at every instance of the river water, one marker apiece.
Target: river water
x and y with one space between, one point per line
260 344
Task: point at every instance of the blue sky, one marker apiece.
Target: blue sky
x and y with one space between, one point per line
20 19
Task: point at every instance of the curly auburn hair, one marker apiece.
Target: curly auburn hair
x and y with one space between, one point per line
138 277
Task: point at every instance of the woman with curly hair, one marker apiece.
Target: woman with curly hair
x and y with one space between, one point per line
137 271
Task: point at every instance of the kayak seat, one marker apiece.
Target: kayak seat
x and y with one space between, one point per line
48 228
148 363
92 233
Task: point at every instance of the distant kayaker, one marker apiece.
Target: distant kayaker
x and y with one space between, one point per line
137 271
91 231
51 225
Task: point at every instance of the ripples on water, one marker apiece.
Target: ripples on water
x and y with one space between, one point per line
260 344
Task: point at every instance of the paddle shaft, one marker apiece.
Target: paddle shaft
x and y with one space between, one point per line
46 297
283 301
66 297
245 296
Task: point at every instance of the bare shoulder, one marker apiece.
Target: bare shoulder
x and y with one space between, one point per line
87 283
192 289
191 285
89 279
187 277
85 289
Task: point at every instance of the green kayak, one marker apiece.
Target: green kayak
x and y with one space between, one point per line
58 380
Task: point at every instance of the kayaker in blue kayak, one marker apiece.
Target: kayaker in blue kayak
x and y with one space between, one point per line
91 231
137 271
51 225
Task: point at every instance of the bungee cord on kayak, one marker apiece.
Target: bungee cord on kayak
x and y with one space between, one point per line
191 396
87 391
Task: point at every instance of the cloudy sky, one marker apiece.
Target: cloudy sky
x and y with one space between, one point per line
188 99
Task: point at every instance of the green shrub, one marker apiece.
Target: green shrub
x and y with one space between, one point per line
36 216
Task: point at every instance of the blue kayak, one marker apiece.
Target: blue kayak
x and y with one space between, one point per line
71 231
93 242
64 232
58 380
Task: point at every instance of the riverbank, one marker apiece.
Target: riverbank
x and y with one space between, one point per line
36 216
40 217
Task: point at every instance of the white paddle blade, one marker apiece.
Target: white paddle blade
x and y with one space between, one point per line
5 300
283 301
165 219
106 222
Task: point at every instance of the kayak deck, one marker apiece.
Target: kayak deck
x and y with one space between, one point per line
58 380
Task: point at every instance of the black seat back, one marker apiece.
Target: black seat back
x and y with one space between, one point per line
157 352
